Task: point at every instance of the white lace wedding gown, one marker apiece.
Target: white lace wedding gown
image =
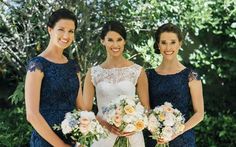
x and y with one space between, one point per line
109 84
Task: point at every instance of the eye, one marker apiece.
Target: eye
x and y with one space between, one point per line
119 39
163 42
109 39
60 29
71 31
173 42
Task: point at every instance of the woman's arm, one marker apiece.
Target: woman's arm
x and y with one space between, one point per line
142 89
88 93
198 104
32 99
79 100
198 107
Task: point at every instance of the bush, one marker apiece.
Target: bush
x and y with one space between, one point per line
217 131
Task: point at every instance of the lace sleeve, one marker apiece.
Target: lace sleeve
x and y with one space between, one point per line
33 65
93 75
137 71
193 75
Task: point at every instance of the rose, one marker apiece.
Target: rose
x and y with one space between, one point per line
129 109
139 125
161 116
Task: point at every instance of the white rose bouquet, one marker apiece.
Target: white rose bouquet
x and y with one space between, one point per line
164 121
82 127
128 114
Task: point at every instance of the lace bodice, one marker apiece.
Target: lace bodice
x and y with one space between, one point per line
110 83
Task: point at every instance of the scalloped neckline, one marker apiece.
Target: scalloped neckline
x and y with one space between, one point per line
52 61
170 74
125 67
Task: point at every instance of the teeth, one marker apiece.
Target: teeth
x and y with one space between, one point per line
169 52
115 49
65 41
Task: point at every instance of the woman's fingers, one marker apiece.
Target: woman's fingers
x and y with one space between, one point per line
161 140
128 134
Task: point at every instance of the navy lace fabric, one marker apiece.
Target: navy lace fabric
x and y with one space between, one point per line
59 89
174 89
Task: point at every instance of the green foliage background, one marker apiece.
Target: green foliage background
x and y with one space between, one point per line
209 27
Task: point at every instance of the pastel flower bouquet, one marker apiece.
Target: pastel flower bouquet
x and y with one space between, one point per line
164 121
127 114
82 127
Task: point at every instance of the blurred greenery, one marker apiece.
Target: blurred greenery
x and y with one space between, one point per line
209 27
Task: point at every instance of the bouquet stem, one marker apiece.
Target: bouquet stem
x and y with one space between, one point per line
122 141
162 145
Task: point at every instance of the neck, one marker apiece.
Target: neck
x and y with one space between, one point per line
114 61
54 52
170 65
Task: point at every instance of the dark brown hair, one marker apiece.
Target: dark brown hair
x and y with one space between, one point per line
168 27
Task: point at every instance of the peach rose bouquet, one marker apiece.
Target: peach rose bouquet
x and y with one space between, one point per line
127 114
164 121
82 127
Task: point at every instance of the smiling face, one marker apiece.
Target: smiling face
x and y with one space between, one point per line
114 43
62 34
169 45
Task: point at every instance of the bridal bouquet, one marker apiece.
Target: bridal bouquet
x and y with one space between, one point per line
82 127
128 114
164 121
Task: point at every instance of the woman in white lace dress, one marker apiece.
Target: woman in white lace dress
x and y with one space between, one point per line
115 76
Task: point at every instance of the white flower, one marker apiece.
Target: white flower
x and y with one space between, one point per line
65 126
139 108
88 115
127 118
129 128
169 120
168 104
130 101
153 124
167 133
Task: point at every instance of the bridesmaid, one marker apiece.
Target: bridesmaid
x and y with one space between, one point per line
173 82
52 86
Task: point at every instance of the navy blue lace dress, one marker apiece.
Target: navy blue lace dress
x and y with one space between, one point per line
59 89
172 88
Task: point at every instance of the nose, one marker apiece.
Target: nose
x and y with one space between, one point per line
168 46
115 44
66 35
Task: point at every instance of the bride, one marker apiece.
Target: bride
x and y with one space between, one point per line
115 76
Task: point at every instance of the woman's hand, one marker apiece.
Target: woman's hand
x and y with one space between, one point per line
161 140
109 127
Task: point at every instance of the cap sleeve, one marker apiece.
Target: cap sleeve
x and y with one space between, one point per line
137 72
193 75
94 72
34 64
